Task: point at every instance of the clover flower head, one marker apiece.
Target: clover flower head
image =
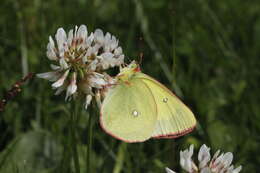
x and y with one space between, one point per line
80 60
218 164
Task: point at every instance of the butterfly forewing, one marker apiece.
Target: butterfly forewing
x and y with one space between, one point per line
129 112
174 118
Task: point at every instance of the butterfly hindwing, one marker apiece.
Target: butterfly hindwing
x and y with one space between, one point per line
174 118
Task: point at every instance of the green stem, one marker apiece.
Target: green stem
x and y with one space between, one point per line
89 143
73 128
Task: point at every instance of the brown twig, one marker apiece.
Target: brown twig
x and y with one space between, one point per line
16 88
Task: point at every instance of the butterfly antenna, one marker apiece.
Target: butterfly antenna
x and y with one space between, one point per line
141 47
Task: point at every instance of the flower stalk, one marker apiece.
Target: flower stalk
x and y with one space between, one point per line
73 136
89 140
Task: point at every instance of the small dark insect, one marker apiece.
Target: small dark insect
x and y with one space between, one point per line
16 88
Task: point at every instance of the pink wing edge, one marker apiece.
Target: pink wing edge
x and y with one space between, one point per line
175 135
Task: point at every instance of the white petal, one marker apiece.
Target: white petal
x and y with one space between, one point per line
55 67
88 101
51 54
203 156
63 63
191 150
98 99
99 36
227 159
91 51
51 76
60 82
216 166
169 170
185 159
96 47
205 170
84 58
51 42
118 51
60 89
230 169
182 159
114 43
213 160
120 60
72 88
106 48
216 155
237 170
82 32
51 50
90 39
70 37
107 59
104 65
219 158
61 39
107 37
75 31
93 65
107 40
107 56
96 80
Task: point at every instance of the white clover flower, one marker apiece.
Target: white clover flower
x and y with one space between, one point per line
218 164
80 61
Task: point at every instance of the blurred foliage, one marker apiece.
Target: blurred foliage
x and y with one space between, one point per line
206 51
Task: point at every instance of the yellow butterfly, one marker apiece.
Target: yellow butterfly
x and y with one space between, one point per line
138 108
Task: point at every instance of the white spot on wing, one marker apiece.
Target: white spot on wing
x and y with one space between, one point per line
135 113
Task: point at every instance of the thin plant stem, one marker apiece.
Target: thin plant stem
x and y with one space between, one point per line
66 158
23 44
73 129
89 143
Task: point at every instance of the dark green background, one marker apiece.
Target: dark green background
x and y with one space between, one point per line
206 51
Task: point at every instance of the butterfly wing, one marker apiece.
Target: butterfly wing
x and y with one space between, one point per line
129 112
174 118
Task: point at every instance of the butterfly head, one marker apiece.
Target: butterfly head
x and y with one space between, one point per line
127 72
